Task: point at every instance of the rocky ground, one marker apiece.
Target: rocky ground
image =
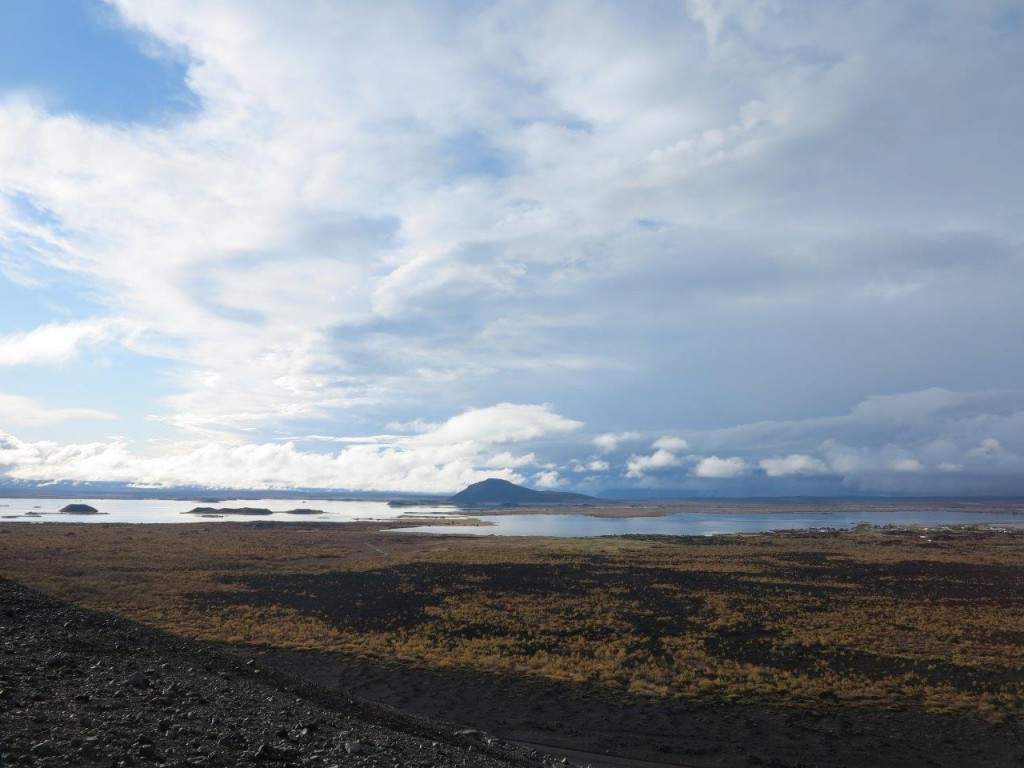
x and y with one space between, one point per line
79 688
650 731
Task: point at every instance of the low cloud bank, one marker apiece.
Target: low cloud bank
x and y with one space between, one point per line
933 441
929 442
444 459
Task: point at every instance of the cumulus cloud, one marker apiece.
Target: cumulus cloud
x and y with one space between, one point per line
723 469
547 479
593 464
908 464
610 440
794 464
638 466
989 448
671 444
970 440
506 459
426 462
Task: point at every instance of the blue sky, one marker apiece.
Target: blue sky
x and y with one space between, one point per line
712 246
79 56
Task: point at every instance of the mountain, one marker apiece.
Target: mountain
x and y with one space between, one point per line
495 491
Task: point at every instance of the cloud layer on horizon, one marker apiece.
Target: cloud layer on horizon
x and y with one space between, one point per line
930 442
442 458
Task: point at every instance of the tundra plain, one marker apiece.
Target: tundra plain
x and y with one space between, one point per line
868 647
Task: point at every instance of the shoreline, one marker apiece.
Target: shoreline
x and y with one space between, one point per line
759 506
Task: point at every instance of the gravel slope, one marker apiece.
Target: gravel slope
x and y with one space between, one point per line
79 688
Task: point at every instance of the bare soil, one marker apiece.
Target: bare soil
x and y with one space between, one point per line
584 719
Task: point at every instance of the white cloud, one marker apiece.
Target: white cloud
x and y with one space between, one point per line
794 464
950 442
714 15
638 466
907 464
372 440
610 440
989 448
426 462
56 342
508 460
715 467
978 431
548 479
591 465
671 444
24 411
505 422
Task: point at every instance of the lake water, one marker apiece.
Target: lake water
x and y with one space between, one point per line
707 524
684 523
170 511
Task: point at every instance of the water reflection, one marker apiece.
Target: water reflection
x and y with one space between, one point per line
174 511
707 524
684 523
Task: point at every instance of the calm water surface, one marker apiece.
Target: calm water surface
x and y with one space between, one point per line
706 524
684 523
169 511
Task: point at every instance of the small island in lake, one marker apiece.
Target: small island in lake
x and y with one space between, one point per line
80 509
248 511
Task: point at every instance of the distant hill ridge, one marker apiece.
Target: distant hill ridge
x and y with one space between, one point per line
495 491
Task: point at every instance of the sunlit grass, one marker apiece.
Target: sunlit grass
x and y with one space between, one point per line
865 618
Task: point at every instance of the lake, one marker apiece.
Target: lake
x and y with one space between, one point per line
707 524
683 523
172 511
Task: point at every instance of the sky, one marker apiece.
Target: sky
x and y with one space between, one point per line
716 247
